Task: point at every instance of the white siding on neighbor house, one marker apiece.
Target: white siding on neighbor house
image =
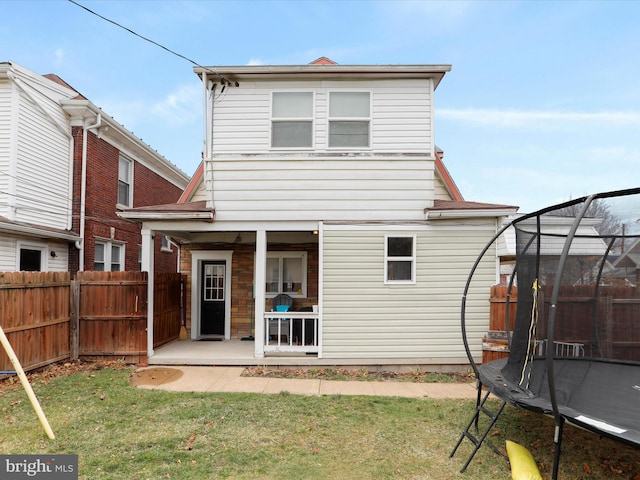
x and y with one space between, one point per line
293 188
401 113
6 127
365 318
42 172
9 256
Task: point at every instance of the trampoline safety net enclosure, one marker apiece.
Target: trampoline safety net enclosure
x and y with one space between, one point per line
575 341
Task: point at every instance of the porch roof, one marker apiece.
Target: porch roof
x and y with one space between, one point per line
443 209
171 211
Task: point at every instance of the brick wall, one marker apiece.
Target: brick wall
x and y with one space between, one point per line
101 221
242 302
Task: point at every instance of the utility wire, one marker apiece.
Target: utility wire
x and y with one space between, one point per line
221 77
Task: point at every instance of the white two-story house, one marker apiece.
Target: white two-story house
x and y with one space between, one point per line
65 168
323 183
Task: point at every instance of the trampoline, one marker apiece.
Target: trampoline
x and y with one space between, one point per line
574 340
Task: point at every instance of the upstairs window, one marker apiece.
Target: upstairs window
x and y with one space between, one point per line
349 119
292 120
400 259
125 180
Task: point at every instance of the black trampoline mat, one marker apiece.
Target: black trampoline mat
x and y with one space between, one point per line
601 396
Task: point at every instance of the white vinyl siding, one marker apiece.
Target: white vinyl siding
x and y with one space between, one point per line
9 253
401 115
5 145
246 188
40 151
364 318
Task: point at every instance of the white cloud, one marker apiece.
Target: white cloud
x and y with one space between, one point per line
255 61
515 118
59 54
180 106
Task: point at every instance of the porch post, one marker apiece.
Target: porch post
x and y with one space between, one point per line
147 266
259 290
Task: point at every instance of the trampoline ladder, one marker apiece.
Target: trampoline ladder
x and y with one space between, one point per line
475 436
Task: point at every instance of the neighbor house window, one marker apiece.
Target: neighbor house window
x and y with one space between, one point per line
108 257
400 259
287 273
292 120
349 119
125 180
30 260
166 244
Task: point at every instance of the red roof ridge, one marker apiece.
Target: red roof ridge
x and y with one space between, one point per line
323 61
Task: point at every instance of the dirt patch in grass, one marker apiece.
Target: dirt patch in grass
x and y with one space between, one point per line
151 377
361 374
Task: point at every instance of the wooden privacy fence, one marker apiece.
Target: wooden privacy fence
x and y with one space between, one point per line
618 329
34 314
99 315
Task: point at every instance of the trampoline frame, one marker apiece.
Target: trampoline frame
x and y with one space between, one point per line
489 376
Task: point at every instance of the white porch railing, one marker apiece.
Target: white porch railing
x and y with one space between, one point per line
291 332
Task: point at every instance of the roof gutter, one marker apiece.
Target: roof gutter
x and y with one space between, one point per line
467 213
35 231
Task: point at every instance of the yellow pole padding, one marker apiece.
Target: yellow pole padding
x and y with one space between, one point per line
25 383
523 466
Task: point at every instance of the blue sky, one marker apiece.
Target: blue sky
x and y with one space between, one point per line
542 103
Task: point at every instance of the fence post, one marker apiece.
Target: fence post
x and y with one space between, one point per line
74 319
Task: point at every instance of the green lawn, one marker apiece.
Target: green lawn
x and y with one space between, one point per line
120 432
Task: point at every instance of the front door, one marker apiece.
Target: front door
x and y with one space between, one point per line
212 298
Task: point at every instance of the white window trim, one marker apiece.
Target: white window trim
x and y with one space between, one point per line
44 253
290 254
369 119
107 253
412 258
167 248
312 119
130 183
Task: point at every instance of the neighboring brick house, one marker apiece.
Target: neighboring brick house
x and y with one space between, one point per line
66 167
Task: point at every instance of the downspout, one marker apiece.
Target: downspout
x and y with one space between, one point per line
83 188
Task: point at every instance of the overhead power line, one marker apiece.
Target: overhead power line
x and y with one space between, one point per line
221 77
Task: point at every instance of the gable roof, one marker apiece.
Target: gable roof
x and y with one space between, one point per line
444 174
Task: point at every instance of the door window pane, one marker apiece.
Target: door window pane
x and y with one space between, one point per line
214 282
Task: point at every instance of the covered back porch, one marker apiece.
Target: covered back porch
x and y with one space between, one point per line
233 278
